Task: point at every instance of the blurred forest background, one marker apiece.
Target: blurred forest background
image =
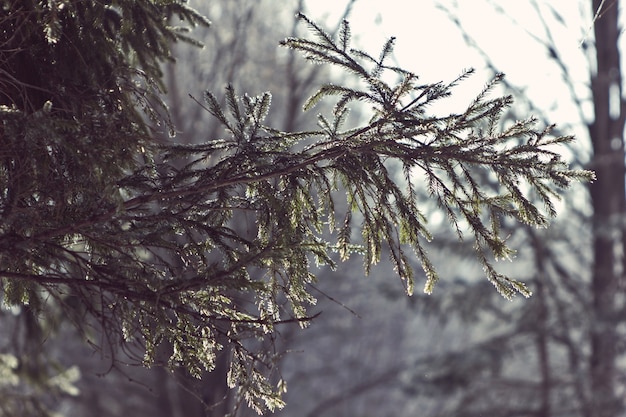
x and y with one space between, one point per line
372 352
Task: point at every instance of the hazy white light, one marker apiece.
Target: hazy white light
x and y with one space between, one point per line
615 101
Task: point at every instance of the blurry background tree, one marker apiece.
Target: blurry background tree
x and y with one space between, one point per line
560 352
88 228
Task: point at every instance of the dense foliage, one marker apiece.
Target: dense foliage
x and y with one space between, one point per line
208 247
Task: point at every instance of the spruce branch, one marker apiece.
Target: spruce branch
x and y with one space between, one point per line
447 149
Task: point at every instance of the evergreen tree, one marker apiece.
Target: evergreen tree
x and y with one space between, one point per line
94 209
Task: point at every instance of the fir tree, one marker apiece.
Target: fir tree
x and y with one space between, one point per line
136 237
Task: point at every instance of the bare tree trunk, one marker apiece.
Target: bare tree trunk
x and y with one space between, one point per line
542 333
607 194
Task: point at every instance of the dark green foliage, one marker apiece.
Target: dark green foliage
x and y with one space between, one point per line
209 247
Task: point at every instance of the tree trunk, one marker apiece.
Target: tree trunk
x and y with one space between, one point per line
607 194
